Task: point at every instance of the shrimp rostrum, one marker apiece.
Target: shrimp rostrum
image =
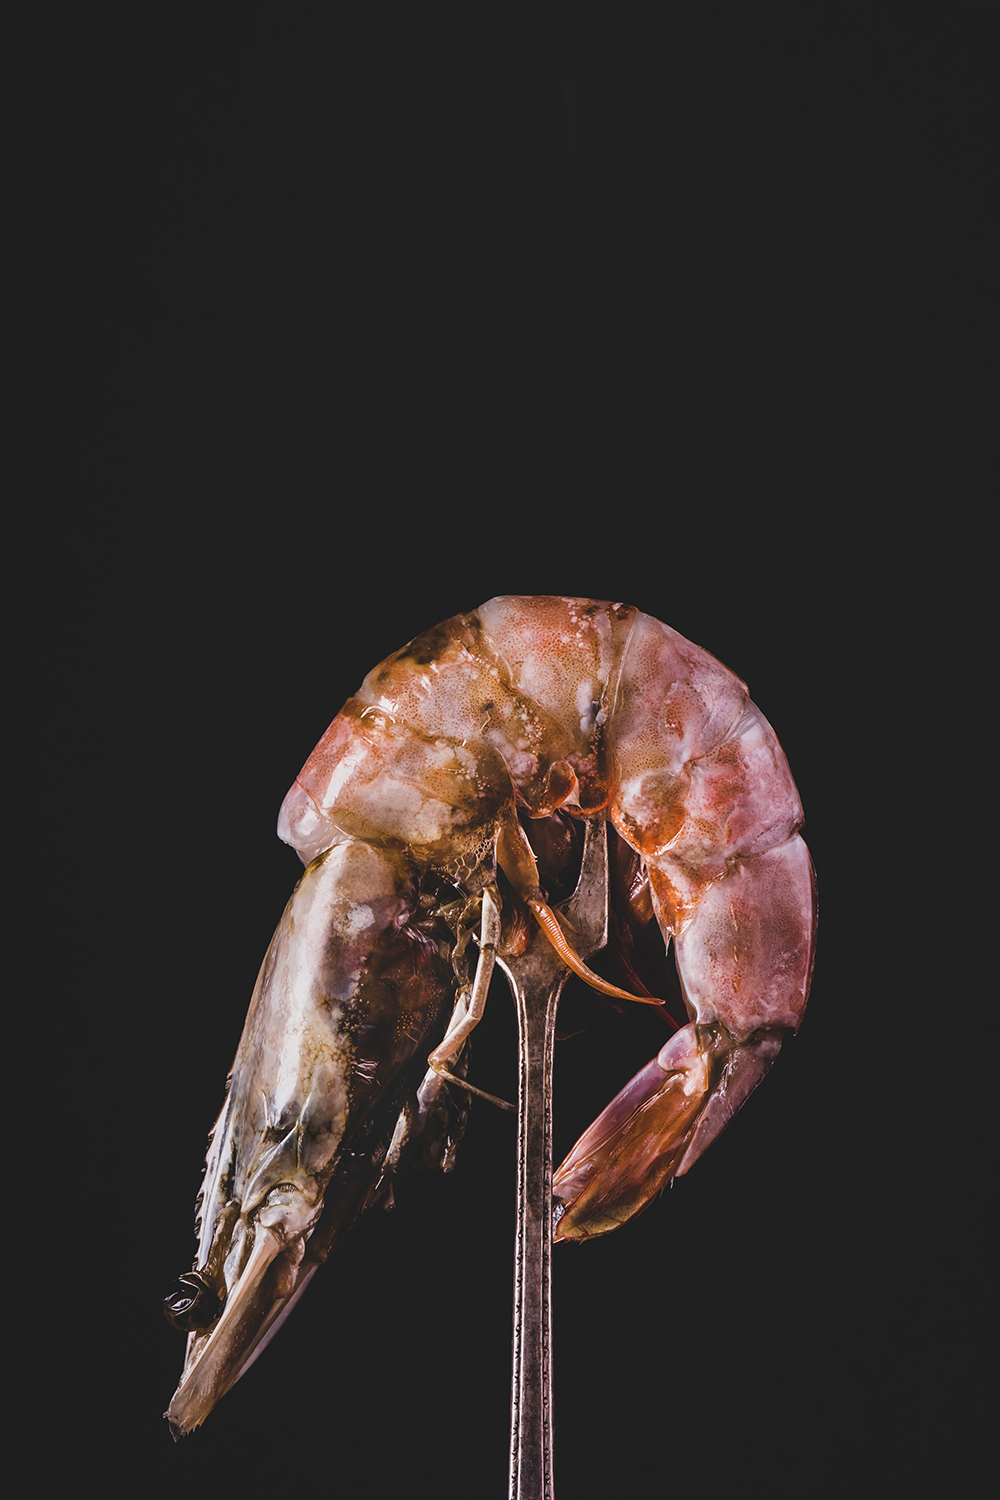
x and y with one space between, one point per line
437 818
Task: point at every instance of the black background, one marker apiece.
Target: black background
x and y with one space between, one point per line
370 322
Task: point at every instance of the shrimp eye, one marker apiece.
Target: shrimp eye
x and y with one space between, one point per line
192 1305
280 1195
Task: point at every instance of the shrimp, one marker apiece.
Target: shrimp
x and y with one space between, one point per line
439 815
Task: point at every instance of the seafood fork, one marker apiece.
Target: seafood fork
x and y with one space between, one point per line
537 978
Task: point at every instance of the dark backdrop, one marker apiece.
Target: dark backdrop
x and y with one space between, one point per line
382 320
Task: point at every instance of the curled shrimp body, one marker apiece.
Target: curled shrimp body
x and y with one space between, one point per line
441 806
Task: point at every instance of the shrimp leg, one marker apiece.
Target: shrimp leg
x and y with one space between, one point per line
467 1017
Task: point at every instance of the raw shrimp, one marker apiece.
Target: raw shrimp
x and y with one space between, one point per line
438 819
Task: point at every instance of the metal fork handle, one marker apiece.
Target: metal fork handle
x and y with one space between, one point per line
537 978
531 1388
